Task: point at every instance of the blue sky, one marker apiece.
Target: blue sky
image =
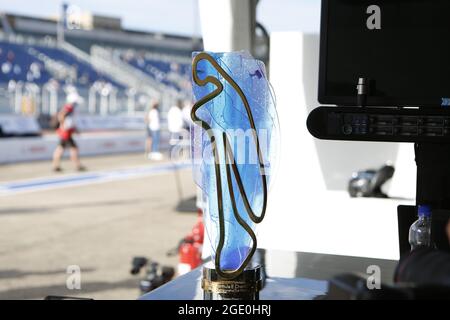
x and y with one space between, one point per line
176 16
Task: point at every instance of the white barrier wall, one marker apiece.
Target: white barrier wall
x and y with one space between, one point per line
41 148
14 124
130 138
86 122
309 209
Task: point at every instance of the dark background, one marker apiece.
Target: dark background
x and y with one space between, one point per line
408 60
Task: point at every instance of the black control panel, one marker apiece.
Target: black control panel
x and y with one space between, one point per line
380 124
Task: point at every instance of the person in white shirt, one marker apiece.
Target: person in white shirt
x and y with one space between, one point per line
152 121
175 122
187 115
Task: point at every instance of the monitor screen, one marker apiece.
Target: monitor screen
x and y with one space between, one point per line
401 46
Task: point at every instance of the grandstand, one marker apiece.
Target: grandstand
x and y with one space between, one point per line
40 64
117 71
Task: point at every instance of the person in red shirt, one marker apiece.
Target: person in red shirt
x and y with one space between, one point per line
65 132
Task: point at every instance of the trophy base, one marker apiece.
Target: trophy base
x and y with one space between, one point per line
244 287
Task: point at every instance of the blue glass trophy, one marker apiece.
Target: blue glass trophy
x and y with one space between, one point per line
234 147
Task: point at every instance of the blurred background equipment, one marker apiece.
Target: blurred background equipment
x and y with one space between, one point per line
368 183
189 252
189 249
155 275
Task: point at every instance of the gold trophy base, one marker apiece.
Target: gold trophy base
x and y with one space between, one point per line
244 287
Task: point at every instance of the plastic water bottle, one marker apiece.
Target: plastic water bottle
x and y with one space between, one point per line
420 230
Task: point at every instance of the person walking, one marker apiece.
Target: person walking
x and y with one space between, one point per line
175 122
65 131
152 121
187 120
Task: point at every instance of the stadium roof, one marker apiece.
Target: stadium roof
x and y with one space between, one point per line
104 31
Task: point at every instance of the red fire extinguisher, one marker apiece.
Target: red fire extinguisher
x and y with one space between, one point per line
190 249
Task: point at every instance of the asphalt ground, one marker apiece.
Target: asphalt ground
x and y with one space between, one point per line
48 229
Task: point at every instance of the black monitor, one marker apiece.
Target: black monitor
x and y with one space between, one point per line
401 46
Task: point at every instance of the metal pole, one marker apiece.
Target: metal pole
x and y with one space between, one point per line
53 100
18 98
61 24
38 101
113 100
92 99
130 104
104 106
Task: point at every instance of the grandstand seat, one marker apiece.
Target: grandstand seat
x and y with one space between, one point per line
23 62
160 70
15 64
